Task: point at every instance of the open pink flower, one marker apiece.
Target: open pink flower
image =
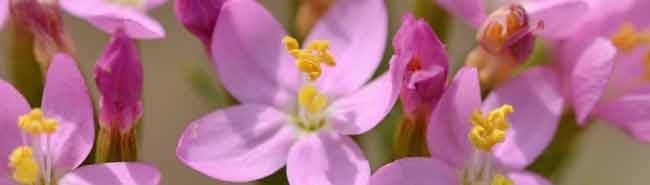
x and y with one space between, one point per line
285 118
457 159
47 145
112 15
606 66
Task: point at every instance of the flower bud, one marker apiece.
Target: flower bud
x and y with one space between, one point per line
118 75
507 31
43 19
199 17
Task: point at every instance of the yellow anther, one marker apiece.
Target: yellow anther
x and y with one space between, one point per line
26 168
501 180
627 37
309 60
309 99
35 123
490 130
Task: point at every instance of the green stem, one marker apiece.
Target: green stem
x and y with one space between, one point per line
410 137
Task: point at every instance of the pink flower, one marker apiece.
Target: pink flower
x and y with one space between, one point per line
4 12
421 60
47 145
301 120
199 17
469 147
113 15
606 67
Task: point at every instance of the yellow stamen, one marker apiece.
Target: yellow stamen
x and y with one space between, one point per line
35 123
627 38
309 99
501 180
309 60
490 130
26 168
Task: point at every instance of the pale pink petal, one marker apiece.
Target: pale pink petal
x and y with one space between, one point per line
6 179
473 11
560 17
527 178
66 99
250 58
153 4
630 111
119 173
449 125
590 76
13 106
538 105
363 110
327 158
111 17
4 12
629 72
357 32
415 171
238 144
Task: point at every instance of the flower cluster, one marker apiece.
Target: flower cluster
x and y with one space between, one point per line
303 96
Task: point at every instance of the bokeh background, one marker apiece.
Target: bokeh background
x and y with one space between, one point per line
180 86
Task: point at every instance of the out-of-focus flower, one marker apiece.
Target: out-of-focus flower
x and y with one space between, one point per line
490 143
118 75
43 19
605 66
298 117
4 12
114 15
421 64
42 145
199 17
309 12
507 35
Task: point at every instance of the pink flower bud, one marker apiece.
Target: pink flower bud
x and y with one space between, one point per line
118 75
199 17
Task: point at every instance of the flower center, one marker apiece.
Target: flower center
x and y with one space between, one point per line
308 61
129 3
26 161
627 37
487 131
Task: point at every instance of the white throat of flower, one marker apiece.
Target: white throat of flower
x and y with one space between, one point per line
33 161
487 131
311 114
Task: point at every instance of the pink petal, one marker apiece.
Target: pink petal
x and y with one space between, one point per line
363 110
4 12
473 11
6 179
415 171
630 112
66 99
119 173
527 178
590 76
629 72
153 4
327 158
449 125
357 32
537 104
13 106
250 58
555 14
109 18
240 143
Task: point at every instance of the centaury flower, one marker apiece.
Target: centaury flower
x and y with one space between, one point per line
298 105
476 144
45 145
113 15
199 17
606 67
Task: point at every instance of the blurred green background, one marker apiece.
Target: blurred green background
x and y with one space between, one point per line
179 86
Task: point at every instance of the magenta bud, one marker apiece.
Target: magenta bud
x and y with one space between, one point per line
118 75
199 17
507 32
422 61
